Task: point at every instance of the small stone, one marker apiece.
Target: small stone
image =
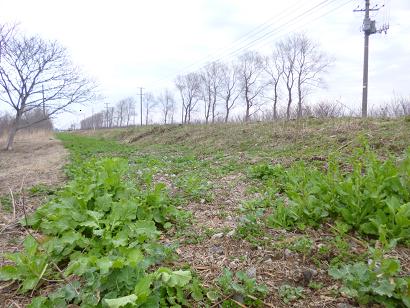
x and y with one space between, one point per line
307 276
217 250
202 201
217 235
287 253
230 233
251 272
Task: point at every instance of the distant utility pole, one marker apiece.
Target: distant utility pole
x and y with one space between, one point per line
141 102
369 28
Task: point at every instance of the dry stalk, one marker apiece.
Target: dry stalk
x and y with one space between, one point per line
14 203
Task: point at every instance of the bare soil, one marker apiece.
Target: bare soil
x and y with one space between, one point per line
37 158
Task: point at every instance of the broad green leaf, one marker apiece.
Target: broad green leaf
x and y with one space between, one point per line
134 256
142 288
9 272
30 245
179 278
385 287
390 266
196 291
29 283
38 302
213 296
121 301
104 264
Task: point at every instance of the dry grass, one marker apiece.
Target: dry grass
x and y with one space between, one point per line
37 158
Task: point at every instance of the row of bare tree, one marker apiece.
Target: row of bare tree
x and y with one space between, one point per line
253 83
32 120
292 70
125 112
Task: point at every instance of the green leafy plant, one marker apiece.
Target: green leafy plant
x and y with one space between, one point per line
242 284
30 265
375 193
289 293
377 281
374 282
106 231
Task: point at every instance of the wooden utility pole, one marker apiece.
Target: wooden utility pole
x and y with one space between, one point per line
369 28
141 103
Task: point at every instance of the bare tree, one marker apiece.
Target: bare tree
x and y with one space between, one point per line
120 109
327 109
274 70
38 74
109 117
288 53
129 109
189 88
230 89
95 121
149 104
6 32
309 65
211 77
250 68
167 103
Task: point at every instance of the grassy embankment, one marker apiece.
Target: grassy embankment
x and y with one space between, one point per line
308 213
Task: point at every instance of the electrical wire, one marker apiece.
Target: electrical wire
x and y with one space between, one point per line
213 58
295 22
266 38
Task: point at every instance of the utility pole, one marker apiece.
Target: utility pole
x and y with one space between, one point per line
369 28
141 102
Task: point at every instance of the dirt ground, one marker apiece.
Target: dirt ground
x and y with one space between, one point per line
37 160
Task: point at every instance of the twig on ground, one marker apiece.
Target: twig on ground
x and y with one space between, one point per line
7 285
238 303
221 301
15 304
256 299
361 243
14 203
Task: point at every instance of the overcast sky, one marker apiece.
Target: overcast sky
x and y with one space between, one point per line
126 44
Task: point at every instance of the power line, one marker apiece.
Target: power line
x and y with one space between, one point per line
248 35
271 34
293 21
141 102
209 58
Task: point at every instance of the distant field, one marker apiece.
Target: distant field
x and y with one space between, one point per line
312 213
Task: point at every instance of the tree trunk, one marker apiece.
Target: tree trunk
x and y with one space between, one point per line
299 101
275 110
12 132
289 103
275 102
